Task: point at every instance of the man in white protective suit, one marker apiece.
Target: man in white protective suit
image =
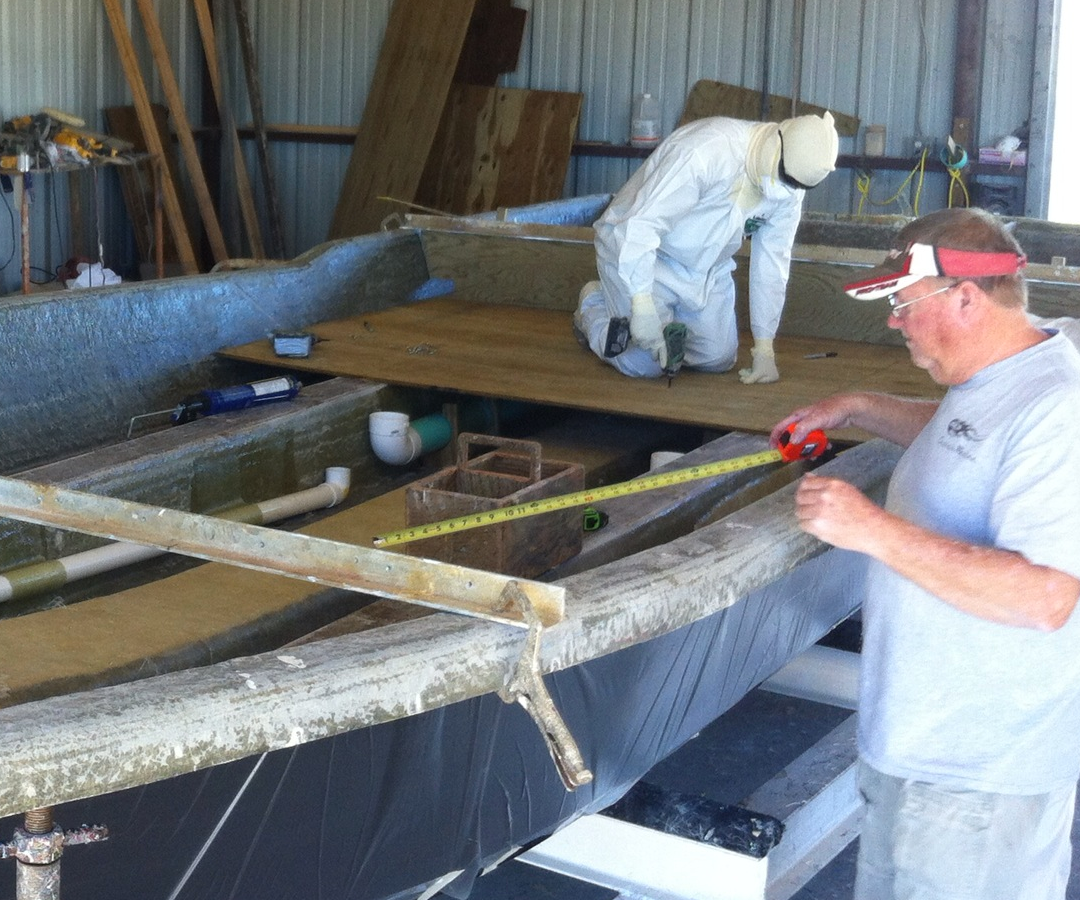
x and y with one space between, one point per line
665 245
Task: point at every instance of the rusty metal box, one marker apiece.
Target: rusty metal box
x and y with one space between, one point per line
510 473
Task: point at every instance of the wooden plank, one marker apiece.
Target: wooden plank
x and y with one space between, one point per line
330 563
190 152
170 198
246 199
715 98
499 147
401 117
531 355
139 188
251 73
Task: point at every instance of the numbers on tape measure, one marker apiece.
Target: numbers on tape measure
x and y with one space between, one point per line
811 447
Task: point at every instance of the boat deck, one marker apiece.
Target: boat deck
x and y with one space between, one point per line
528 354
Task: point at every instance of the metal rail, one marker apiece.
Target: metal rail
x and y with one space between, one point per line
320 561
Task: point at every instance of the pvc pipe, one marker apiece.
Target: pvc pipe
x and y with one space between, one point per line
822 674
397 442
53 574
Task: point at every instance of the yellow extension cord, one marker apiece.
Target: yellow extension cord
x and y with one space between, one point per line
862 183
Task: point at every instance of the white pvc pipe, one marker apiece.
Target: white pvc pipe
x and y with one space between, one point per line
822 674
397 442
49 575
330 493
393 440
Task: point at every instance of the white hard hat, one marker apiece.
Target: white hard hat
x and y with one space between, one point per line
810 147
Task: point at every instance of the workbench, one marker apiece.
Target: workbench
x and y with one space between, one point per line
24 179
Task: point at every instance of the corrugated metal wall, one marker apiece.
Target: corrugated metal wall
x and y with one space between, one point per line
886 63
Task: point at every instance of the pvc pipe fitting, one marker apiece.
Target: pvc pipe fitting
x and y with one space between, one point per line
397 442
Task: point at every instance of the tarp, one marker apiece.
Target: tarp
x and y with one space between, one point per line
383 811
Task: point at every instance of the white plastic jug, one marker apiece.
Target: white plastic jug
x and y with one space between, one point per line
645 122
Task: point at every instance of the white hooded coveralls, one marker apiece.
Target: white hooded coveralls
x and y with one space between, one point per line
672 232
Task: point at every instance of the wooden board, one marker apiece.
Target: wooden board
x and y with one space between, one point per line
404 106
185 137
531 355
715 98
245 197
499 147
492 44
137 184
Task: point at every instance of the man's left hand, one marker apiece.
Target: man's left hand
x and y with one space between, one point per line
763 369
836 512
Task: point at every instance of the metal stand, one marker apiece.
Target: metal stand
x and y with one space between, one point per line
37 848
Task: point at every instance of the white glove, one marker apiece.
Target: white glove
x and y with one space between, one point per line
645 327
763 370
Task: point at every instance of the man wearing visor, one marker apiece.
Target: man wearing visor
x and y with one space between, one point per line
665 246
969 705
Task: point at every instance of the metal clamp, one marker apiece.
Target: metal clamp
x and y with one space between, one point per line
526 686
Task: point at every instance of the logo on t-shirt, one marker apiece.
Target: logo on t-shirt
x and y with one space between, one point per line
960 428
961 435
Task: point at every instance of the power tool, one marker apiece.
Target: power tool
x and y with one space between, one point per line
675 343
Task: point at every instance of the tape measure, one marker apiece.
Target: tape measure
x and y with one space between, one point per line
813 446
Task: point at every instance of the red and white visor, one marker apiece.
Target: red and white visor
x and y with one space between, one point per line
904 267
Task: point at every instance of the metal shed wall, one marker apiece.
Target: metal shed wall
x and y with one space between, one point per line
887 64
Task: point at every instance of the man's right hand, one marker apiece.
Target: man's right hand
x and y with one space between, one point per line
646 328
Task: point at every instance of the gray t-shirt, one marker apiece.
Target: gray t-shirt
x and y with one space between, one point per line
946 696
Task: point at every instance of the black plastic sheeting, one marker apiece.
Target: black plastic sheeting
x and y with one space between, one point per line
384 811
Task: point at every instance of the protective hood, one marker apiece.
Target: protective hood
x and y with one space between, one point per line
762 165
810 147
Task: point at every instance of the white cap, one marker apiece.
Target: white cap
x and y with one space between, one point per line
810 148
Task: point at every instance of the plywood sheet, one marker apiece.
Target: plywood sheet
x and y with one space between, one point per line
499 147
715 98
416 65
493 43
531 355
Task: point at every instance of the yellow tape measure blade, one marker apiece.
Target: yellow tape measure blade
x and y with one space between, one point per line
578 498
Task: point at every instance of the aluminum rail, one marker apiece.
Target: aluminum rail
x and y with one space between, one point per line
108 739
320 561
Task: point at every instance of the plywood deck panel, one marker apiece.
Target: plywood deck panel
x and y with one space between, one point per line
531 355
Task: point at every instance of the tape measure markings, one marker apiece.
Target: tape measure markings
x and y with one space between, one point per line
578 498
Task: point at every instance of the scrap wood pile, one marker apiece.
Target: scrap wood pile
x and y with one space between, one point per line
438 133
151 133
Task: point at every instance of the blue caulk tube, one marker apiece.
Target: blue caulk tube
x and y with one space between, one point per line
240 396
